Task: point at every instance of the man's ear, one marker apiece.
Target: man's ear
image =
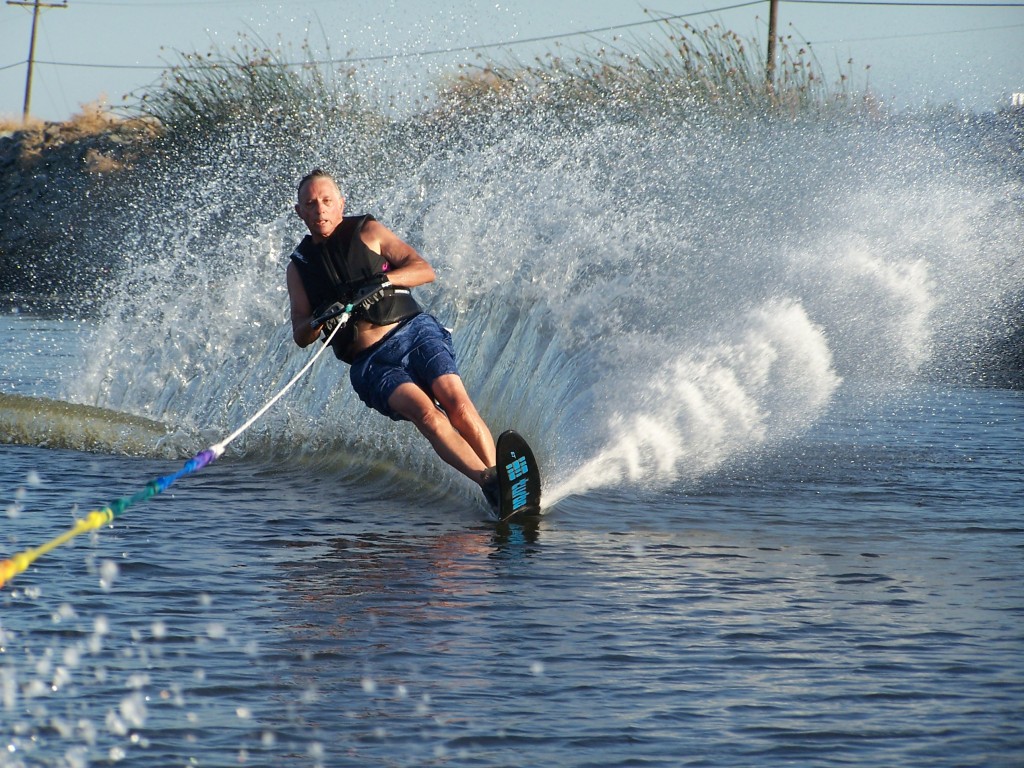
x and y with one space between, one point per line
297 211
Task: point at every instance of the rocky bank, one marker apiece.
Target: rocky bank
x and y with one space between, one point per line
54 181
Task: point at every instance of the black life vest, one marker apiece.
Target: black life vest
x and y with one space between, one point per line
338 268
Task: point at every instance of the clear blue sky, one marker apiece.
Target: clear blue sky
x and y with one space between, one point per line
971 56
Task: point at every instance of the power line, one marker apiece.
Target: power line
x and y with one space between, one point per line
439 51
152 67
907 3
914 34
585 32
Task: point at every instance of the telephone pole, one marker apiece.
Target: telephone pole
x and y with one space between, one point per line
36 7
773 19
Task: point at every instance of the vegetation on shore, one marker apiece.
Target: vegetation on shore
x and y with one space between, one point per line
710 68
94 120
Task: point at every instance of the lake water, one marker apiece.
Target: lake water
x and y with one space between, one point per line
855 597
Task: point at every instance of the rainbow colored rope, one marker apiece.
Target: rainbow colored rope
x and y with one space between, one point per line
98 518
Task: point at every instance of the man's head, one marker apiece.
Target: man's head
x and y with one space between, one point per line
320 204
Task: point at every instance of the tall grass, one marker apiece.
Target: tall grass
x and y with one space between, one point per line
251 80
708 69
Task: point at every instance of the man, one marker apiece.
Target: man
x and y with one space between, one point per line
402 359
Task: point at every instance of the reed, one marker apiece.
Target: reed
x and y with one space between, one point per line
707 69
686 68
251 81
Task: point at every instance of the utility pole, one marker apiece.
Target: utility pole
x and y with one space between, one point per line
36 6
773 19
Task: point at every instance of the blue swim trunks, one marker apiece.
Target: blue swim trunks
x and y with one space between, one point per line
419 351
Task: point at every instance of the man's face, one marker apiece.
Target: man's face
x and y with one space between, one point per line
321 206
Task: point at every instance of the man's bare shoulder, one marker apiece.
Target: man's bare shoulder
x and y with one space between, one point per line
381 239
374 230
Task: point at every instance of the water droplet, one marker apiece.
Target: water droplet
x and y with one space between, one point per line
62 727
72 656
138 681
88 731
133 710
61 677
115 724
76 758
44 665
8 687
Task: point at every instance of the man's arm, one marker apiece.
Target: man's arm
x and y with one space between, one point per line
301 310
408 269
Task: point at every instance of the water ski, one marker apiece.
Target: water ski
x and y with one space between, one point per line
518 478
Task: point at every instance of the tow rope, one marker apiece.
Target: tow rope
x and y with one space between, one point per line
98 518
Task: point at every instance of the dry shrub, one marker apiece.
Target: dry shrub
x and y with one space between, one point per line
95 118
33 141
94 121
97 162
473 89
11 124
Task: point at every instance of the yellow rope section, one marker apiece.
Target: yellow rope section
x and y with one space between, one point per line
19 562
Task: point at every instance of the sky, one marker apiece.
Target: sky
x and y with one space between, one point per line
912 53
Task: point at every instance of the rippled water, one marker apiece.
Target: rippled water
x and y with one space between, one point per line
855 597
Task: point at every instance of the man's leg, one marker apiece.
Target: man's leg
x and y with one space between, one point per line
463 415
416 405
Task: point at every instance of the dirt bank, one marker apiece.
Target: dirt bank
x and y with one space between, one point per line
53 180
